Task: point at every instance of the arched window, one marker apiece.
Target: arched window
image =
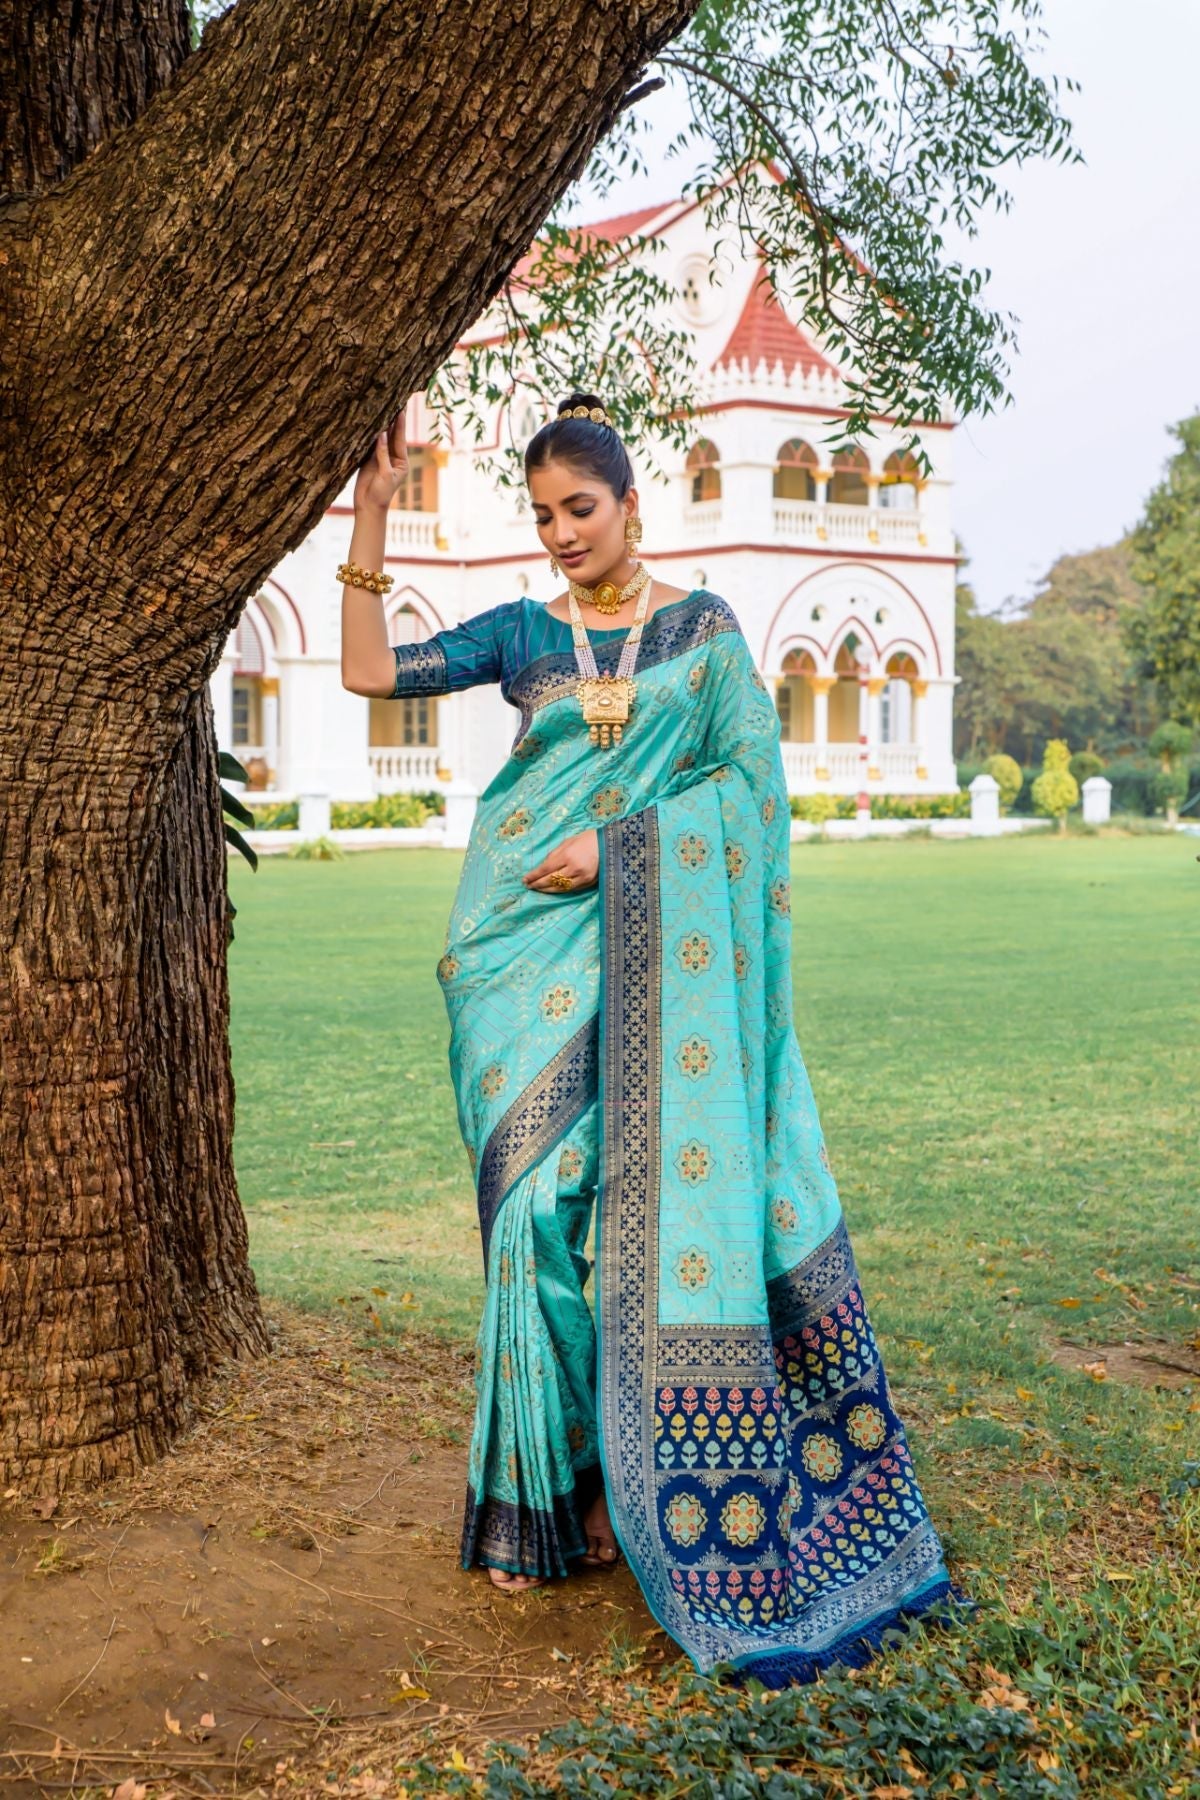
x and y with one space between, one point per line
895 712
794 698
704 467
410 721
901 482
794 469
848 484
844 702
418 492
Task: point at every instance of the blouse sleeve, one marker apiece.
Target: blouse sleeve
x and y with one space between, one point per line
460 656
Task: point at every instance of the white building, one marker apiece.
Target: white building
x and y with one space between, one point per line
841 571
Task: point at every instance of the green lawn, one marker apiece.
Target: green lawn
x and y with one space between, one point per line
1004 1041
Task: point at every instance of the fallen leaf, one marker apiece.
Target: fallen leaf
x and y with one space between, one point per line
207 1719
172 1724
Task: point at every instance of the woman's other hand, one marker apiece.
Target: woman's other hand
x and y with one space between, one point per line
576 857
384 469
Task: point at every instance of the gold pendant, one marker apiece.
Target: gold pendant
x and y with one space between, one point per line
607 701
607 598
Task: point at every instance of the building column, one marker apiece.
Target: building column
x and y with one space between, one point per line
875 687
873 483
269 689
821 481
820 685
919 690
323 731
220 685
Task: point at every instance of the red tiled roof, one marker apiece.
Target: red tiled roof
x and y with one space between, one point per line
764 333
621 225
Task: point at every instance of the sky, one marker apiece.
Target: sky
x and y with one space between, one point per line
1100 263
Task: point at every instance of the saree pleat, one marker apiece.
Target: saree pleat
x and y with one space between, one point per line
630 1050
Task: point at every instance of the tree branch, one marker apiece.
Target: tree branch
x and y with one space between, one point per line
289 241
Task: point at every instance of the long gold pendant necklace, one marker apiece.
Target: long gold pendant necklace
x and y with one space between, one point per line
607 700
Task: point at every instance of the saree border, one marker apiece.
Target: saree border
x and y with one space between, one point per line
526 1540
543 1112
420 669
851 1621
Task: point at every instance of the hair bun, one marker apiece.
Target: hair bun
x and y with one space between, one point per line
580 405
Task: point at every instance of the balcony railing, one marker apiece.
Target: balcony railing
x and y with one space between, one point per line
808 522
842 764
411 531
404 768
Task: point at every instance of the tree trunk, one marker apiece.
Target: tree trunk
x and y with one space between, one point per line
205 323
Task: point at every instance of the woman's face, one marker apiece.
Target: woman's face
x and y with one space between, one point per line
580 520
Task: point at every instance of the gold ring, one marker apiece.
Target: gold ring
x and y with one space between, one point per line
560 880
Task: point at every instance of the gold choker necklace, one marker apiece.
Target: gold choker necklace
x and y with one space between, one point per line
606 597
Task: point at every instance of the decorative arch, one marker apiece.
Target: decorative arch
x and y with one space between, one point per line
412 722
283 617
704 467
795 471
409 599
848 484
794 694
849 596
901 482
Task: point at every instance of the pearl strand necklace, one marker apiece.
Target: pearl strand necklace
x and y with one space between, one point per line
607 700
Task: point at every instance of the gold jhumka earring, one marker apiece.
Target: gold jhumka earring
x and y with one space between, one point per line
633 530
554 568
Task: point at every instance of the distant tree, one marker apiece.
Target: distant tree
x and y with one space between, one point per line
989 663
1171 743
1164 633
1056 790
1057 664
1006 773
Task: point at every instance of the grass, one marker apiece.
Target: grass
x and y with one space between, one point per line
1002 1037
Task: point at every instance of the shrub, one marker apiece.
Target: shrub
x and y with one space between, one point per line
276 815
386 810
318 849
1007 772
815 809
922 806
1056 790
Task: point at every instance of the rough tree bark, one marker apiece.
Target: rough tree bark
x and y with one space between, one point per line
258 250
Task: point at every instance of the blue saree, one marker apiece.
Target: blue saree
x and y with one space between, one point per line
629 1049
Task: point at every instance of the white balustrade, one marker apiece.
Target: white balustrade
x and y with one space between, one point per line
842 764
811 522
702 517
404 768
411 531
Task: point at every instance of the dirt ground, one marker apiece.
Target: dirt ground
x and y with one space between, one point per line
280 1598
287 1577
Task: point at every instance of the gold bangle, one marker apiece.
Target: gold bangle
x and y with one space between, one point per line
354 575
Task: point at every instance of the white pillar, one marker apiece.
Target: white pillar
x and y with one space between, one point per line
985 806
314 815
323 730
1097 800
461 800
875 687
221 687
821 685
269 688
919 689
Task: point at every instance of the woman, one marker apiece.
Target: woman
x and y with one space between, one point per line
617 970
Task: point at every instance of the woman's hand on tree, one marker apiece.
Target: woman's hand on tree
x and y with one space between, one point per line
577 857
384 470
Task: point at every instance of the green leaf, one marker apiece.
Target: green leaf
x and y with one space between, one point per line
233 836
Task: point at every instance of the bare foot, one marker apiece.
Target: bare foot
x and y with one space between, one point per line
602 1550
513 1584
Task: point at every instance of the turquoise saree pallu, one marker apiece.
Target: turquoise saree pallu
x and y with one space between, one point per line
629 1049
